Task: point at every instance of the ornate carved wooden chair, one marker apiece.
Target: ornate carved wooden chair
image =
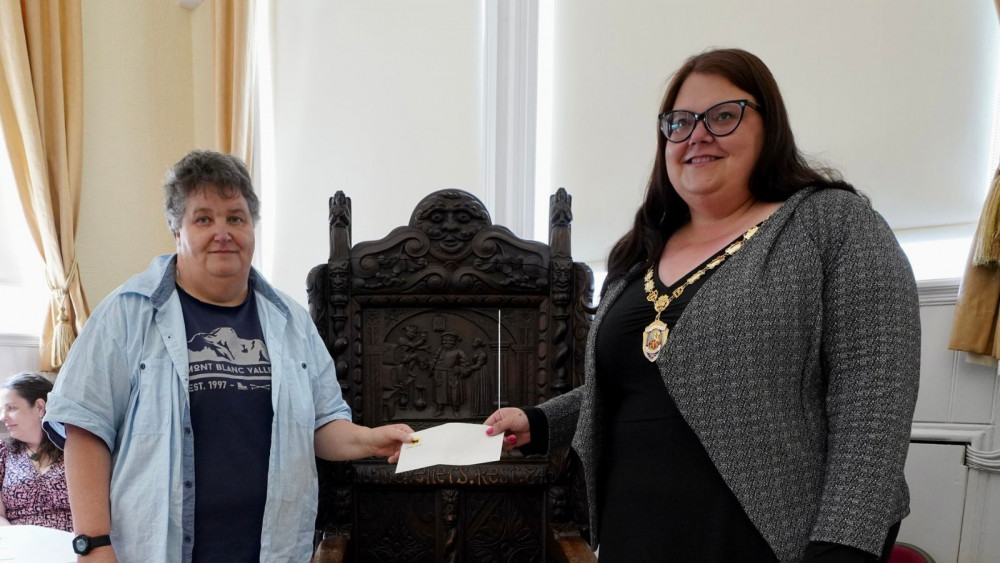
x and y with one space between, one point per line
411 321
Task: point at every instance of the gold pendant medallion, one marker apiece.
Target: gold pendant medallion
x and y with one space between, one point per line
653 338
656 332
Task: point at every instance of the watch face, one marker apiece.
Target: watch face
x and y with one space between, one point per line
79 544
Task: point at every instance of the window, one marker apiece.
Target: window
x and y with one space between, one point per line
22 281
937 258
942 252
610 68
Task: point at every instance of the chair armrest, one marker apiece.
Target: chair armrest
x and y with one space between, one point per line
566 546
332 549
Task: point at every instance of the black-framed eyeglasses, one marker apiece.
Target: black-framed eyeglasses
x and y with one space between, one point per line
720 120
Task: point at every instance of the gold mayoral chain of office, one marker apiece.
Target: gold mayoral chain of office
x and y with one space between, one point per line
656 332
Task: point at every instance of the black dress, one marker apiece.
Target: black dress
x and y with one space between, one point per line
660 496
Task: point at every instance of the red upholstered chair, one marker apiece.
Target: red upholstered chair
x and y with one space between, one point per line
906 553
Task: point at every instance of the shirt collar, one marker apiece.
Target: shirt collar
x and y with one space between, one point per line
159 281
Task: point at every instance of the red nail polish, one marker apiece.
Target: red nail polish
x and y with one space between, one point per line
489 431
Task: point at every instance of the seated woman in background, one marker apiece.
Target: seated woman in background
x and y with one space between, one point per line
32 475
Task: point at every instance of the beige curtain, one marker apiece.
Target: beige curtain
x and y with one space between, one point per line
41 108
977 313
234 77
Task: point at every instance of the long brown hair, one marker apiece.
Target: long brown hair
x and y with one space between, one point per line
32 386
780 171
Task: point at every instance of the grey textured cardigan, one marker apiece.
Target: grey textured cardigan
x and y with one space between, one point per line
797 365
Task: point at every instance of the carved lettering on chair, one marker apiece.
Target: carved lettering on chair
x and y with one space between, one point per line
484 475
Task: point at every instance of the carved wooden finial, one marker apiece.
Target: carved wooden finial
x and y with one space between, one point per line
560 217
340 226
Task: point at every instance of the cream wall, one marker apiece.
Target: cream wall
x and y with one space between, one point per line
147 101
202 74
139 117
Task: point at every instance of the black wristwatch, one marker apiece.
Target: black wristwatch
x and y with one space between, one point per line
84 544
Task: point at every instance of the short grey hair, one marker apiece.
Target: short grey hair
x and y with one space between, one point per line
200 169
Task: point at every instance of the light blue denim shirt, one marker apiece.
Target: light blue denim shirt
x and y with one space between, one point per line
126 381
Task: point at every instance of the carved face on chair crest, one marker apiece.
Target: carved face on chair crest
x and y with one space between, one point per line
450 218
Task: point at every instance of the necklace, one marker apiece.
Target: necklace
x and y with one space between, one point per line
656 332
33 456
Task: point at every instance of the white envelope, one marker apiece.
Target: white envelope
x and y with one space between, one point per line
454 443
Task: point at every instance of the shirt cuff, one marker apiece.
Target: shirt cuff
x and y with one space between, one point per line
538 425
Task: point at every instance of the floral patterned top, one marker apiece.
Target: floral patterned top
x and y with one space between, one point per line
30 497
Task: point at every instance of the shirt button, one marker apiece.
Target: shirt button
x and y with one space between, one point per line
142 366
303 365
187 430
187 539
187 484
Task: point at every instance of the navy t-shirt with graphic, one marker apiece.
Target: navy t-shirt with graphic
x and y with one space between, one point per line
231 414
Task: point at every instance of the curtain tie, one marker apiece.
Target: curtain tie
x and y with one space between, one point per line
986 244
63 334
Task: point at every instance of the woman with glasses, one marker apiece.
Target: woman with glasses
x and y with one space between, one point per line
752 370
32 474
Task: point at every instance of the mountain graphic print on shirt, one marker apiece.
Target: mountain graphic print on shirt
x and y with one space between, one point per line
222 360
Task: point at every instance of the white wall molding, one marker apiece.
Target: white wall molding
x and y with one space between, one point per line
510 79
938 292
975 435
19 340
977 486
18 352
